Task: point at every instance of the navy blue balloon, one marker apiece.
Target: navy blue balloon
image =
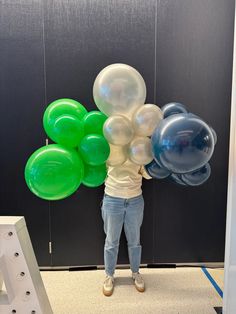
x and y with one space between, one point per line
156 171
176 178
214 135
173 108
197 177
182 143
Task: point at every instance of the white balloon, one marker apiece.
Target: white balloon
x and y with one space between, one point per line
118 155
118 130
146 119
119 89
140 150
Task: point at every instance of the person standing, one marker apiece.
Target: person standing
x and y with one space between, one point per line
123 205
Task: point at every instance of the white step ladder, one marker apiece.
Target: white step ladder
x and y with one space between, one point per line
25 292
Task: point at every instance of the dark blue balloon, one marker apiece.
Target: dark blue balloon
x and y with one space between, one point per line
214 135
156 171
176 178
173 108
197 177
182 143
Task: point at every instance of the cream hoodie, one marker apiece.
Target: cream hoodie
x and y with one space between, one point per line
125 181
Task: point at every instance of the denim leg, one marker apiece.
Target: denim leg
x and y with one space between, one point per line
113 217
132 224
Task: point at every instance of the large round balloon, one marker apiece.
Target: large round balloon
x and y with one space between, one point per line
214 135
62 121
182 143
140 151
118 130
156 171
54 172
118 155
94 175
146 119
94 149
119 89
93 122
197 177
173 108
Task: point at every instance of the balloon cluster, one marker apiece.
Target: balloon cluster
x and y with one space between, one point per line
170 142
56 171
182 145
119 92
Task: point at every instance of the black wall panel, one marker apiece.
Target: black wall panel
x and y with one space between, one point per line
21 109
194 65
53 49
81 38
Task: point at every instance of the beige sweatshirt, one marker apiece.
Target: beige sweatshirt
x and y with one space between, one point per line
125 181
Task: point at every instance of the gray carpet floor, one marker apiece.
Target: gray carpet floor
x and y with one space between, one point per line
168 291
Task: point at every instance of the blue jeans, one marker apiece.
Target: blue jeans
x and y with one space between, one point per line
117 212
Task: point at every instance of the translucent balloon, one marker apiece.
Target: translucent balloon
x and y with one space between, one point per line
176 178
54 172
173 108
118 155
119 89
146 119
140 151
182 143
197 177
118 130
214 135
156 171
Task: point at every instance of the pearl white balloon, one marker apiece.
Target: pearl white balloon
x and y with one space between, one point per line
146 119
119 89
118 130
140 150
118 155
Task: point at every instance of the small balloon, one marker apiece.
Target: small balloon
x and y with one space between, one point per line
173 108
118 155
156 171
182 143
53 172
62 121
94 149
176 178
146 119
93 122
67 130
197 177
119 89
118 130
140 151
94 175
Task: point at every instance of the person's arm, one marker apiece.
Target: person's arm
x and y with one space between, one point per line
144 173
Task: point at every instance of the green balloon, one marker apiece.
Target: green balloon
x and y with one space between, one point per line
53 172
94 149
68 131
94 175
63 123
93 122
